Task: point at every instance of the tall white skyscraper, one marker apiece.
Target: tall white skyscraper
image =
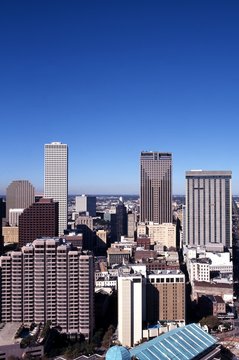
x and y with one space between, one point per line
208 208
56 178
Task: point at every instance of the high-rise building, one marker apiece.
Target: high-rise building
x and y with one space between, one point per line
86 204
121 220
20 194
131 305
165 295
56 179
131 224
208 208
39 220
156 187
49 280
2 215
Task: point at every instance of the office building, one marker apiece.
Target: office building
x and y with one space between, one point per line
86 204
2 215
167 235
20 194
38 220
56 179
121 220
131 224
84 224
131 304
208 208
49 280
14 216
10 234
166 296
156 187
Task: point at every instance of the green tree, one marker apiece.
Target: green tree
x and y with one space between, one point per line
211 321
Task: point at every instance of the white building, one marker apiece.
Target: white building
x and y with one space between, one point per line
14 216
86 204
130 309
56 179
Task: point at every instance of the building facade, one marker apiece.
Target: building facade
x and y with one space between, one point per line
208 208
86 204
56 179
130 309
19 195
49 280
38 220
166 295
156 187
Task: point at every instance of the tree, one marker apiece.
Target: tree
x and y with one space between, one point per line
211 321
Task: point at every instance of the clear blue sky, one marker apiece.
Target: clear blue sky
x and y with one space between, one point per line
113 77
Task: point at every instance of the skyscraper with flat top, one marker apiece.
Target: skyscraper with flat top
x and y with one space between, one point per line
156 187
208 208
56 178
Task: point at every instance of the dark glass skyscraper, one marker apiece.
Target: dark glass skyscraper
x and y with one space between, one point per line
156 187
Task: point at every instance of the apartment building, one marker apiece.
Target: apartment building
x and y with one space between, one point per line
49 280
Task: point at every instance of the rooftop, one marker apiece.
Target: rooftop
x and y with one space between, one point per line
8 332
184 343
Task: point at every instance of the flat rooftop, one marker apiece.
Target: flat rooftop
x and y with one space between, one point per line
8 332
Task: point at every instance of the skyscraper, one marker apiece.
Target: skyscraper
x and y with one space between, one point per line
208 208
156 187
56 179
20 194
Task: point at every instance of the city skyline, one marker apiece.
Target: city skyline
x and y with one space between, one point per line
112 79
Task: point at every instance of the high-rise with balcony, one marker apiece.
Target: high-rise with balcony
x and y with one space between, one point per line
208 208
156 187
49 280
56 179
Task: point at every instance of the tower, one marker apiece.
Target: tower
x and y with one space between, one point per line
20 194
156 187
56 178
131 305
208 208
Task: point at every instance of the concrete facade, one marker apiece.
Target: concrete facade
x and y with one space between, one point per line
208 208
56 179
49 280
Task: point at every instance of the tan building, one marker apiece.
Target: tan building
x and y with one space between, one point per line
10 234
49 280
167 235
19 195
101 238
168 301
161 234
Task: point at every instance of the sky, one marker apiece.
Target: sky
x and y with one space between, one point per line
112 78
